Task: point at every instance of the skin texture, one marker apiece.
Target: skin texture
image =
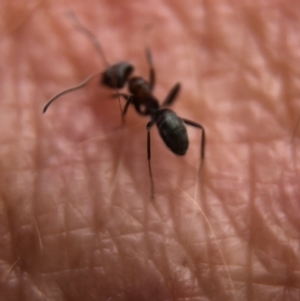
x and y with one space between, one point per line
76 220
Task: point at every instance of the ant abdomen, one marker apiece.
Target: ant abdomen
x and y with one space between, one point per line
173 131
117 75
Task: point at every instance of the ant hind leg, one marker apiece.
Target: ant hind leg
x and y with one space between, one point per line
199 126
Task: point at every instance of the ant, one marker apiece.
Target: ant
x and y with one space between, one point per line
170 126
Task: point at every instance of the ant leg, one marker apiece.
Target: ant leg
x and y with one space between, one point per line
151 69
149 125
171 97
133 100
199 126
81 85
129 99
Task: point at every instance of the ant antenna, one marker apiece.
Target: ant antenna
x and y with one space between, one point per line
81 85
95 41
89 35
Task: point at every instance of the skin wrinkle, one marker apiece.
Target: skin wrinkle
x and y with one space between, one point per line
117 172
37 165
232 220
166 265
245 112
201 282
250 235
210 246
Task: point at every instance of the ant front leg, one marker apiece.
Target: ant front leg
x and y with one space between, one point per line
124 95
149 125
199 126
128 101
131 100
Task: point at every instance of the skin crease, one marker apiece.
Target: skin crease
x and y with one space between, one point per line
76 219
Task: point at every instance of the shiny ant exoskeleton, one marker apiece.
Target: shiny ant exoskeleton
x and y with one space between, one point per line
170 126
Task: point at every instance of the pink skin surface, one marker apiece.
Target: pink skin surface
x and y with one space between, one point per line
76 220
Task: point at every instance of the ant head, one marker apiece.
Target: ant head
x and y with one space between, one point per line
117 75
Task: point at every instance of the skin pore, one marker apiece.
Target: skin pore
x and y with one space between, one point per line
77 222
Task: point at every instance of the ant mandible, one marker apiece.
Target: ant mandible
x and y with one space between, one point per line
170 126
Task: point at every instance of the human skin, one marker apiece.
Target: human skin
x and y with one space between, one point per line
77 221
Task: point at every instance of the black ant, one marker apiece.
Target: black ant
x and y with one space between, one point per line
170 126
